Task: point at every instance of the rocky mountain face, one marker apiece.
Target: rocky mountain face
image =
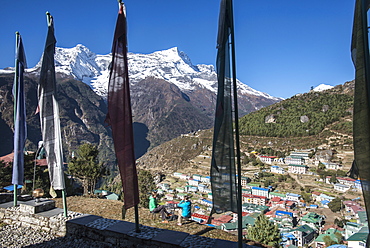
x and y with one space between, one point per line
170 96
82 115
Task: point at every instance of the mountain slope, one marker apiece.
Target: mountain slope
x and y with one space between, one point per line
302 115
333 106
172 65
82 115
165 110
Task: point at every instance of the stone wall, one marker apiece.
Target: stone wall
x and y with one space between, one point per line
117 233
111 233
54 225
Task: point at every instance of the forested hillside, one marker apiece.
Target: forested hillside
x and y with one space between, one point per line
302 115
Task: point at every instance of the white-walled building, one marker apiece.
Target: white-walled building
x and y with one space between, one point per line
293 197
260 191
297 169
277 169
341 187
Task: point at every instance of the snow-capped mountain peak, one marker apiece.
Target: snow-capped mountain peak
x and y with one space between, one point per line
171 65
322 87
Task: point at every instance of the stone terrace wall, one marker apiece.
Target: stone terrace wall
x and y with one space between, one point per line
114 233
55 225
123 234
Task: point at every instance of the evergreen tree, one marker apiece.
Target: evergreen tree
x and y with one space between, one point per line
86 167
264 232
146 186
328 241
333 179
335 205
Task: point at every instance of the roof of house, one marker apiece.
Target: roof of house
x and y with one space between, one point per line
254 196
341 185
332 236
224 218
293 195
268 156
259 188
305 229
275 199
362 216
277 194
358 237
289 203
311 217
200 216
328 226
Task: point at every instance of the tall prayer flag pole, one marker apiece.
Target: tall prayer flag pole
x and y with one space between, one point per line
119 115
20 126
361 113
49 114
225 189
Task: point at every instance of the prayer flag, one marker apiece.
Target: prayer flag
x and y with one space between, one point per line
223 174
361 115
20 126
119 115
49 112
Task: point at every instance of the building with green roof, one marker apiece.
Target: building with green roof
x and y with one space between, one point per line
362 218
304 234
357 240
254 208
312 219
332 233
351 228
273 194
246 221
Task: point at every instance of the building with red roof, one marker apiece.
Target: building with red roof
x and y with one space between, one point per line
200 218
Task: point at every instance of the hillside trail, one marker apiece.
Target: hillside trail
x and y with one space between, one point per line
295 177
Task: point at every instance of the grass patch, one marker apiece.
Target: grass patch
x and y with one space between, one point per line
2 224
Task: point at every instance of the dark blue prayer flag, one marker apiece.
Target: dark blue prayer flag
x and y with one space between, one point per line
20 126
223 173
361 113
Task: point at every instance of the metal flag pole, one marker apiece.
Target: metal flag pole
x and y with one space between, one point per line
16 75
137 227
64 193
236 119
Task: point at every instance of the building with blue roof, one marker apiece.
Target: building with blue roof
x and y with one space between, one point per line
260 191
281 213
293 197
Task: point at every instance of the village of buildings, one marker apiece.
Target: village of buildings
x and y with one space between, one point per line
301 224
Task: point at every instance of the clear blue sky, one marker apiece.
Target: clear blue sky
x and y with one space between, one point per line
282 47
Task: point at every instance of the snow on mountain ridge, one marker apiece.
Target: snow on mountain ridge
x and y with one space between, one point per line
322 87
171 65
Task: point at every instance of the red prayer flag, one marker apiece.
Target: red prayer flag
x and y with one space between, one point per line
119 115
